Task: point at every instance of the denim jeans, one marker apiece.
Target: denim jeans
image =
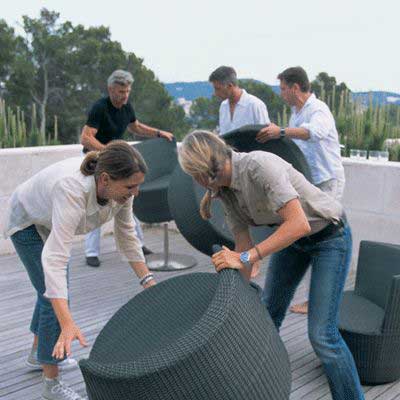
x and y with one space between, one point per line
92 239
44 324
330 260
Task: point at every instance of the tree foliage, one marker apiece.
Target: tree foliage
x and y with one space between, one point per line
63 70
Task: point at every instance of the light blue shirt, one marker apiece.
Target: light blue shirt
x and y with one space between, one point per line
249 110
322 149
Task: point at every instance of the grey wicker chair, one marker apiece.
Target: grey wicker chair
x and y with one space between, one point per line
151 206
369 318
199 336
244 140
185 194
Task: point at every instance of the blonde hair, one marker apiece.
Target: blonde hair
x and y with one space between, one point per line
118 159
203 153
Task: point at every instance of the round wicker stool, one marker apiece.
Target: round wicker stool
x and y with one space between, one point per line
199 336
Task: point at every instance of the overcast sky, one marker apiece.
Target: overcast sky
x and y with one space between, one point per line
183 40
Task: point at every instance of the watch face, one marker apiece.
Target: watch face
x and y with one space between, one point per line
245 257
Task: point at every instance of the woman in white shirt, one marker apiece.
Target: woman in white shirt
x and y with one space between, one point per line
66 199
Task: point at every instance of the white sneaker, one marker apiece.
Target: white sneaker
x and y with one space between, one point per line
54 389
33 363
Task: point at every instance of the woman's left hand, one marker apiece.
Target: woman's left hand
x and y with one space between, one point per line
226 259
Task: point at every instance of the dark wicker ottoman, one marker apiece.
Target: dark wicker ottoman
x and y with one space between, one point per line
199 336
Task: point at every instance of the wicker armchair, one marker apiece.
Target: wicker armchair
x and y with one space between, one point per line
244 140
185 194
151 206
199 336
369 318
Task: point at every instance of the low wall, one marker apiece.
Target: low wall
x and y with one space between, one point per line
372 200
371 197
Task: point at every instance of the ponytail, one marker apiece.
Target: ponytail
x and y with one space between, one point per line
204 153
88 166
118 159
205 205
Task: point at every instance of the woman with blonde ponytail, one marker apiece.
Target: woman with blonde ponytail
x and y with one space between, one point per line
66 199
259 188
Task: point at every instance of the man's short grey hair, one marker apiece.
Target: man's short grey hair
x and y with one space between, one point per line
120 77
224 75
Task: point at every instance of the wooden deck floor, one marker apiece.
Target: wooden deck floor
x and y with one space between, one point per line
96 294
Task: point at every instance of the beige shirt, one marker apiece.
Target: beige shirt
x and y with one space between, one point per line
61 202
262 183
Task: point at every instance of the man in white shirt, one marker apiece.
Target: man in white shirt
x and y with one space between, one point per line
312 127
238 107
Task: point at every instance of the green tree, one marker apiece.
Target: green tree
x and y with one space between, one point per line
153 105
326 88
204 113
7 50
63 69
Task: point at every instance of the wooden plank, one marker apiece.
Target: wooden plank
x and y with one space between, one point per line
97 293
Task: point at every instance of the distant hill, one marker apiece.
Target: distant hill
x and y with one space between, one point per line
189 90
193 90
380 98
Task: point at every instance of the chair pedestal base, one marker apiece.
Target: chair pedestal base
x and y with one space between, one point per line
169 261
175 262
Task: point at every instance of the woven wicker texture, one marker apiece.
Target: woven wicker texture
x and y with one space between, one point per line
244 140
185 194
184 197
151 206
198 336
369 317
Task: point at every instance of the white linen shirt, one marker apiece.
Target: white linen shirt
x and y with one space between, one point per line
61 202
249 110
322 149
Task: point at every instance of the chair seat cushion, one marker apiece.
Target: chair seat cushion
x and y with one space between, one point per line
359 315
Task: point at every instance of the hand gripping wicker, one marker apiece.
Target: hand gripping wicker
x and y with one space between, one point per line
200 336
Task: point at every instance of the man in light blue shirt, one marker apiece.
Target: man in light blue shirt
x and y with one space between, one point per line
238 107
312 127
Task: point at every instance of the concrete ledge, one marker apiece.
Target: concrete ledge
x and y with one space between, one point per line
372 200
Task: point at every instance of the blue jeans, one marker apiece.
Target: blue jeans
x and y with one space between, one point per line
92 239
330 260
44 324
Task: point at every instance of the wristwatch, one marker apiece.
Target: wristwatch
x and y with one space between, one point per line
245 259
282 133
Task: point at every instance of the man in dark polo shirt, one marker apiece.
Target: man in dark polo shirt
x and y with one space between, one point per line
108 119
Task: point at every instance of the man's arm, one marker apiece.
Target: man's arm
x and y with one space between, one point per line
145 130
88 139
273 131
